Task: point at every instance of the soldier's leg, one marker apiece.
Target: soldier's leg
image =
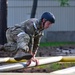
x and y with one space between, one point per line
22 46
11 47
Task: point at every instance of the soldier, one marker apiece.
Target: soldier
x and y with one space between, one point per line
27 36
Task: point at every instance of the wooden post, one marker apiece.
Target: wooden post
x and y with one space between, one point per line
3 21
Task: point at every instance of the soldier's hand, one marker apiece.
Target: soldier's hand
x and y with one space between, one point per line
34 60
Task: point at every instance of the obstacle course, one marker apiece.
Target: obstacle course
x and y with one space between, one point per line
15 65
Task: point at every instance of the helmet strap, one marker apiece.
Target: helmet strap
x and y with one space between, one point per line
44 23
42 26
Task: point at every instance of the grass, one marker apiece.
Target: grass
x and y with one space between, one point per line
52 66
56 66
45 44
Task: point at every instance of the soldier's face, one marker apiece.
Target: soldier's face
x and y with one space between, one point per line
47 24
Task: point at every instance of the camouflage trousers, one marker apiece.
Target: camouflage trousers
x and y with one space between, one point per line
17 39
10 47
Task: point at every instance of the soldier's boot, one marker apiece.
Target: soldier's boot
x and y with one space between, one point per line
21 55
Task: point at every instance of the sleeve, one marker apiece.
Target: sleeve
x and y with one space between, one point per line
36 43
22 41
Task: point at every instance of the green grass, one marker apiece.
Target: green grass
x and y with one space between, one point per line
55 43
53 66
56 66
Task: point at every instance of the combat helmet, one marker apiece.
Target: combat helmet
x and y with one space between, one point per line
48 16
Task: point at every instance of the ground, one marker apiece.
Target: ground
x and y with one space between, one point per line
47 51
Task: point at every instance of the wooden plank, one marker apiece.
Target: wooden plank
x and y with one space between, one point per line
68 59
20 65
12 60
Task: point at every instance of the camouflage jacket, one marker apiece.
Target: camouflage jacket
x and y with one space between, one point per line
28 34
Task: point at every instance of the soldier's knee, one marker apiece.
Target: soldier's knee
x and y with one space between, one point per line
10 47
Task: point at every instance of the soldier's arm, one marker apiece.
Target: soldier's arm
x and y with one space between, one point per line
36 44
34 51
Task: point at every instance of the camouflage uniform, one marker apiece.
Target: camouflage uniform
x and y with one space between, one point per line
25 37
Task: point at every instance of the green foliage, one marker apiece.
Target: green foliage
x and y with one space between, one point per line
55 66
45 44
42 66
52 66
64 2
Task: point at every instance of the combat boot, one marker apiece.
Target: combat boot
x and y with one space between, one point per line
22 55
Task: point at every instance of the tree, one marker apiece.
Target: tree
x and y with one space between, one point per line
3 20
34 7
64 2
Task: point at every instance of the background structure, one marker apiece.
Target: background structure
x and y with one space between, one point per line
62 30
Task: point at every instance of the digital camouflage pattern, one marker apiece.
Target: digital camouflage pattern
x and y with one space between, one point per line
25 37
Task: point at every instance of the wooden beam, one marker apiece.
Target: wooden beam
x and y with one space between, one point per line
63 59
20 65
68 59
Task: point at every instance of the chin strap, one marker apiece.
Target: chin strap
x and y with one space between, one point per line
44 23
